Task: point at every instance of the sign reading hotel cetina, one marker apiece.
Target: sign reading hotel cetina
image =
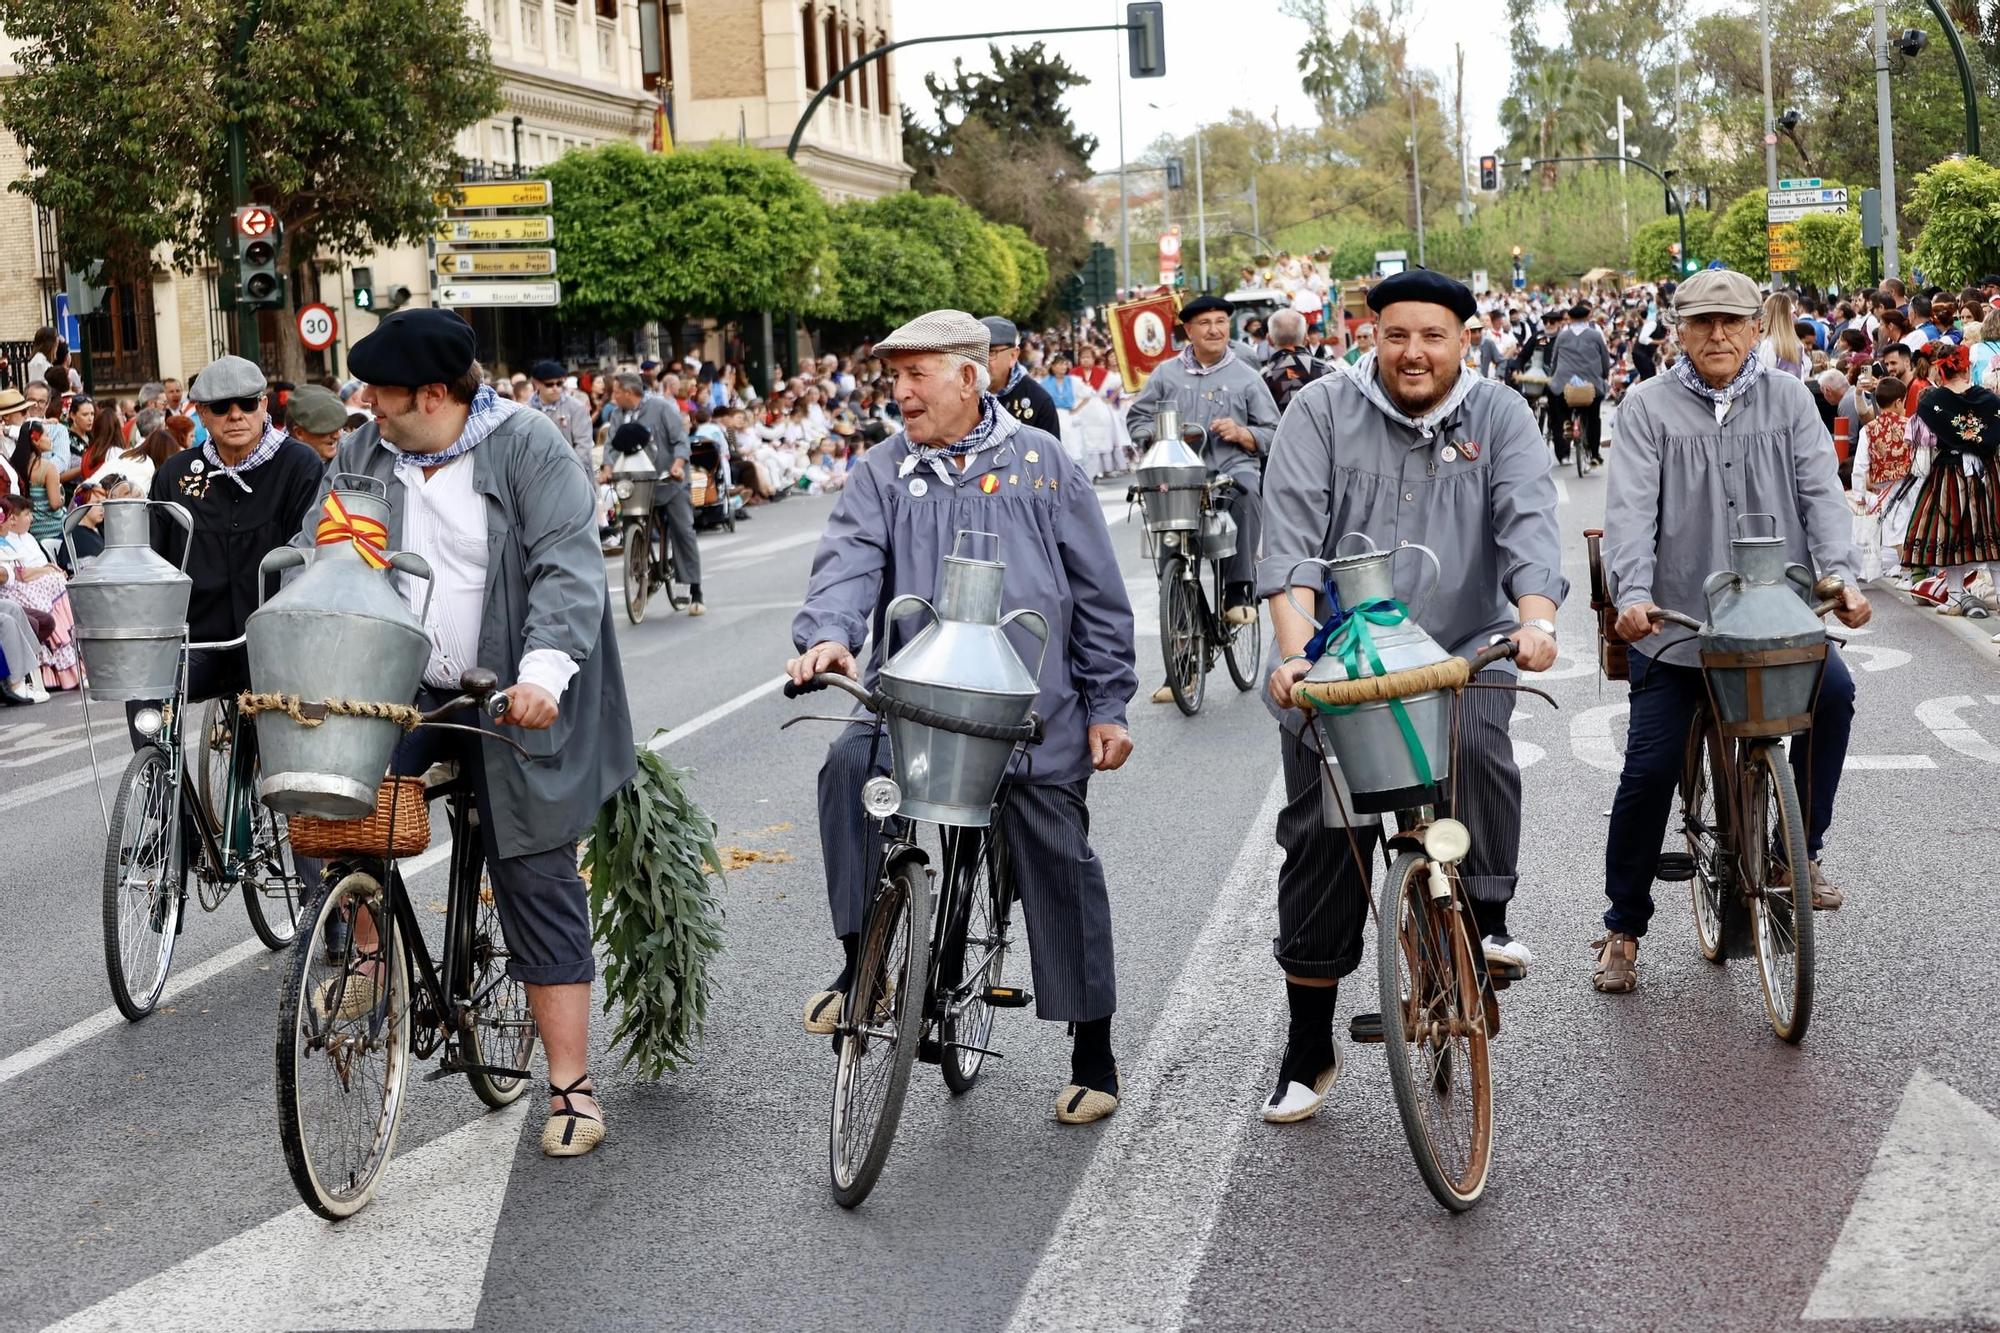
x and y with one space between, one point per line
497 194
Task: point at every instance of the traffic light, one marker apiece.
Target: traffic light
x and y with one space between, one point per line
1176 174
395 298
361 282
1100 275
85 288
1674 249
1489 172
259 283
1146 33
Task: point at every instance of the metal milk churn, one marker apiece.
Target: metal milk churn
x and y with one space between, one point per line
963 665
634 478
1390 760
1763 648
339 632
130 604
1170 478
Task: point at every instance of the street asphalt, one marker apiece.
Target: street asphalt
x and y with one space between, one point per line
1662 1162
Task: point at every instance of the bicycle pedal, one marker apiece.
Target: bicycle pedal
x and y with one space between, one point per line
930 1050
449 1068
1674 867
1365 1028
1006 997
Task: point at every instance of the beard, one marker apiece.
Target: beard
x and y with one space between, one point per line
1441 384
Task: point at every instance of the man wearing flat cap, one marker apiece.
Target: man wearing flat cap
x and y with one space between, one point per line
633 401
1405 447
317 419
489 493
1712 438
1578 354
1221 392
570 413
1012 385
964 464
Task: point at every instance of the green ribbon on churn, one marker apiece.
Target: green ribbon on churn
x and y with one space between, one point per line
1352 644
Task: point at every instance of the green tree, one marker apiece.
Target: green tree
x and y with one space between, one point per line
1022 98
1031 270
122 111
1830 252
1741 238
1957 203
1551 113
697 232
906 253
1652 260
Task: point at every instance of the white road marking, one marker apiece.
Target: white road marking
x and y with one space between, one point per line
1141 1218
1562 491
1590 736
1940 716
441 1202
1875 658
62 782
1922 1242
713 715
751 555
1864 763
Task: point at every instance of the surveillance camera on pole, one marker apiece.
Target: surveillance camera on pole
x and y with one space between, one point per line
1913 41
1790 120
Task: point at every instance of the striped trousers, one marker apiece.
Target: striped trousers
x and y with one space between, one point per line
1057 878
1323 894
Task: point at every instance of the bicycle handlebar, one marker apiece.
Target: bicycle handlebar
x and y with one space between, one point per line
829 678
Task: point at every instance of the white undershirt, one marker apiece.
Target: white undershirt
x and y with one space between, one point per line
444 521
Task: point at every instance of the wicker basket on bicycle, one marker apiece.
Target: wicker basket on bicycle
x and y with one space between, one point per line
1612 651
399 826
1763 649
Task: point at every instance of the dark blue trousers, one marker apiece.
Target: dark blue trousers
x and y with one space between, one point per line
1664 699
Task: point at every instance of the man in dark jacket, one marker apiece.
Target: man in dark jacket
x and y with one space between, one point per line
1291 366
1018 393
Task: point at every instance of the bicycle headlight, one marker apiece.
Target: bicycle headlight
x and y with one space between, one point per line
881 797
624 490
1170 540
148 721
1447 841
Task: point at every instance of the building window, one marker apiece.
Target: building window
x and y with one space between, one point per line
502 149
846 55
565 32
830 36
607 49
607 9
811 30
883 101
531 24
496 19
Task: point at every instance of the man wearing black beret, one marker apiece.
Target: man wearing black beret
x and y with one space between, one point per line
1578 356
489 493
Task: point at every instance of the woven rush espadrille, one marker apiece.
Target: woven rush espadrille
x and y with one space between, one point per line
823 1012
1298 1102
357 999
1078 1105
570 1132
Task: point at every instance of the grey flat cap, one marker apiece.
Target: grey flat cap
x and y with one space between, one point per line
950 331
227 377
317 410
1717 291
1003 332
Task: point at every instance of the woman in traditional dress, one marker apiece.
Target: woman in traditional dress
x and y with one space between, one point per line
29 579
1954 528
1883 485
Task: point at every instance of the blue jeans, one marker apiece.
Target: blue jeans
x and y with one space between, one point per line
1664 699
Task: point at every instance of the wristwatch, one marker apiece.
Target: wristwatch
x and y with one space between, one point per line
1547 627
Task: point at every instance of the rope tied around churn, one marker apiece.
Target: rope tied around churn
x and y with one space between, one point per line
313 713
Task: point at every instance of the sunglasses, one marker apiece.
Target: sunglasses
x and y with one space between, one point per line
248 406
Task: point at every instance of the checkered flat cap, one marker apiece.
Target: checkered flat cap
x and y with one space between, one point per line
949 331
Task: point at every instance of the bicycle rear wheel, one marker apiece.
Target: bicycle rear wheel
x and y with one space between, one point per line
1703 800
273 890
343 1050
1182 634
638 570
1774 853
880 1027
209 754
1434 1034
142 884
502 1031
976 957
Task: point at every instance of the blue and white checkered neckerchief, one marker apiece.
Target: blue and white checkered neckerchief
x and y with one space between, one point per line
1194 367
488 410
1014 378
1747 376
266 450
974 440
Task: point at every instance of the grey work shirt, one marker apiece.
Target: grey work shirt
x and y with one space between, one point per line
1235 390
1579 351
667 433
887 533
1346 460
1680 479
572 422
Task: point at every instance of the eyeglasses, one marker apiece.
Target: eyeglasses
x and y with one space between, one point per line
221 406
1711 324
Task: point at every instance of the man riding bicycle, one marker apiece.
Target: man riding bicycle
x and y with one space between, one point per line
1712 438
963 462
1407 447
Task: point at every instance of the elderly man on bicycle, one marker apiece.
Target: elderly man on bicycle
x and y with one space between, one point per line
962 463
1712 438
1407 447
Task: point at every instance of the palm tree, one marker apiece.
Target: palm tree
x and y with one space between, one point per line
1550 113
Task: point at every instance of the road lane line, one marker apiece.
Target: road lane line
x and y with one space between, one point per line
1126 1249
713 715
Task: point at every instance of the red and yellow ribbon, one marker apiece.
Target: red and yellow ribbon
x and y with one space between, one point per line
368 535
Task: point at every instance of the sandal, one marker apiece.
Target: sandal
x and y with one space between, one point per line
1617 969
570 1132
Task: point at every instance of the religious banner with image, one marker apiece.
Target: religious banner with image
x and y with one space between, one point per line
1142 335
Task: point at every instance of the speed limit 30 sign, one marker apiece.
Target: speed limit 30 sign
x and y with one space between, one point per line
317 326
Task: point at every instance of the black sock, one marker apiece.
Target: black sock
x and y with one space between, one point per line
1309 1036
694 592
851 944
1090 1062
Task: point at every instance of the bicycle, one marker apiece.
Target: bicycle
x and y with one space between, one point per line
1193 623
649 564
162 828
1437 987
359 1001
1738 794
959 951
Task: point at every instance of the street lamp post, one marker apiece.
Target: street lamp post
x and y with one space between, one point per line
1770 118
1965 84
1200 212
1884 143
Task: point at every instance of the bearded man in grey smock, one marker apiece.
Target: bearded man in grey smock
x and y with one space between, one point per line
1713 438
1410 448
962 462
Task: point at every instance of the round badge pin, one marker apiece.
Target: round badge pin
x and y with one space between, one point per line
918 487
195 467
1450 455
1032 456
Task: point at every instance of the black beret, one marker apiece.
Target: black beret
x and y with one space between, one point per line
412 348
630 438
1579 311
547 371
1201 305
1421 284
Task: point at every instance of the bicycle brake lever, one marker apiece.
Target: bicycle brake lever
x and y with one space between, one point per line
483 734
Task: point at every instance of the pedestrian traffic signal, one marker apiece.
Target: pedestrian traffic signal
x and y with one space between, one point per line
1489 172
361 282
1176 174
1146 32
260 285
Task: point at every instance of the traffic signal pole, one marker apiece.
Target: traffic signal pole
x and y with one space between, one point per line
239 181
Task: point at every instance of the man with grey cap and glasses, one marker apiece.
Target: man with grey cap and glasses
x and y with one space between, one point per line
962 462
633 402
1711 439
317 419
1012 385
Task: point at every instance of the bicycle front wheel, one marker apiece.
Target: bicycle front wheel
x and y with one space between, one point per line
142 889
1182 631
502 1031
638 571
1702 802
976 959
879 1031
1774 851
1434 1034
1243 650
343 1049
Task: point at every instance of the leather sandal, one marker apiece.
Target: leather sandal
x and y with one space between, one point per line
1617 968
570 1132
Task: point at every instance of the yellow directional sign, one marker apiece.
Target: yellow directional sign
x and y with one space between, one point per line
497 194
462 231
1784 247
497 263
